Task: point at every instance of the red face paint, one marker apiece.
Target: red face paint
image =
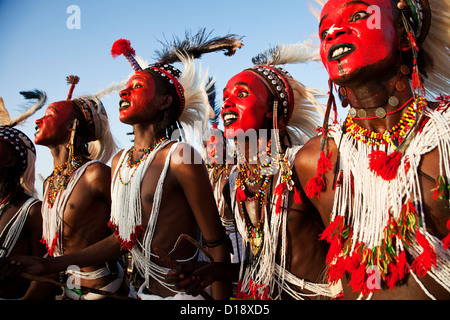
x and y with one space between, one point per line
355 35
244 103
137 96
52 127
215 148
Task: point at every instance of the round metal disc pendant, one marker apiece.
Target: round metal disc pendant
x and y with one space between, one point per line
362 113
393 101
400 86
404 69
380 113
352 112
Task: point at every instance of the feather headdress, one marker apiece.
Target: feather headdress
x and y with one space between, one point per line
188 85
101 144
437 45
198 45
298 108
21 145
5 119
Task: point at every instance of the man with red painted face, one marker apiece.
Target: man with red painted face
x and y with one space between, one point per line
381 182
76 206
20 210
278 231
161 189
219 165
268 114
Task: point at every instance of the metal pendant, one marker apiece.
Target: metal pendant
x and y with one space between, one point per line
393 101
380 113
362 113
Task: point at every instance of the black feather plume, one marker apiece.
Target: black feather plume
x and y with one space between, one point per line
197 45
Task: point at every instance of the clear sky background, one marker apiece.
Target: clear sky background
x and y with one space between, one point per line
38 50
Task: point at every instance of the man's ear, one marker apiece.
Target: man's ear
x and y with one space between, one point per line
166 102
404 44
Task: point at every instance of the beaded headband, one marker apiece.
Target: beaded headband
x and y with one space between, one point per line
275 79
91 116
170 74
19 142
88 108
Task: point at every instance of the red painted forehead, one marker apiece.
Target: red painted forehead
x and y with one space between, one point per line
337 6
143 75
62 107
249 79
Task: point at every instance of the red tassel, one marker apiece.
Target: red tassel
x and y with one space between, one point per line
122 46
324 163
336 271
334 250
386 166
279 189
415 79
423 263
73 81
407 165
51 247
397 271
353 262
402 265
297 196
441 190
333 229
315 186
240 195
446 240
358 278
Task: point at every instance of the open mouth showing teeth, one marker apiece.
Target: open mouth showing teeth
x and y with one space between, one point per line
37 129
340 50
229 118
123 104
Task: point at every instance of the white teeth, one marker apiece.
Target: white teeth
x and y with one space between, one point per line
229 117
340 51
124 104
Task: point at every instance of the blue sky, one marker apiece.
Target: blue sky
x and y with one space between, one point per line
38 50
